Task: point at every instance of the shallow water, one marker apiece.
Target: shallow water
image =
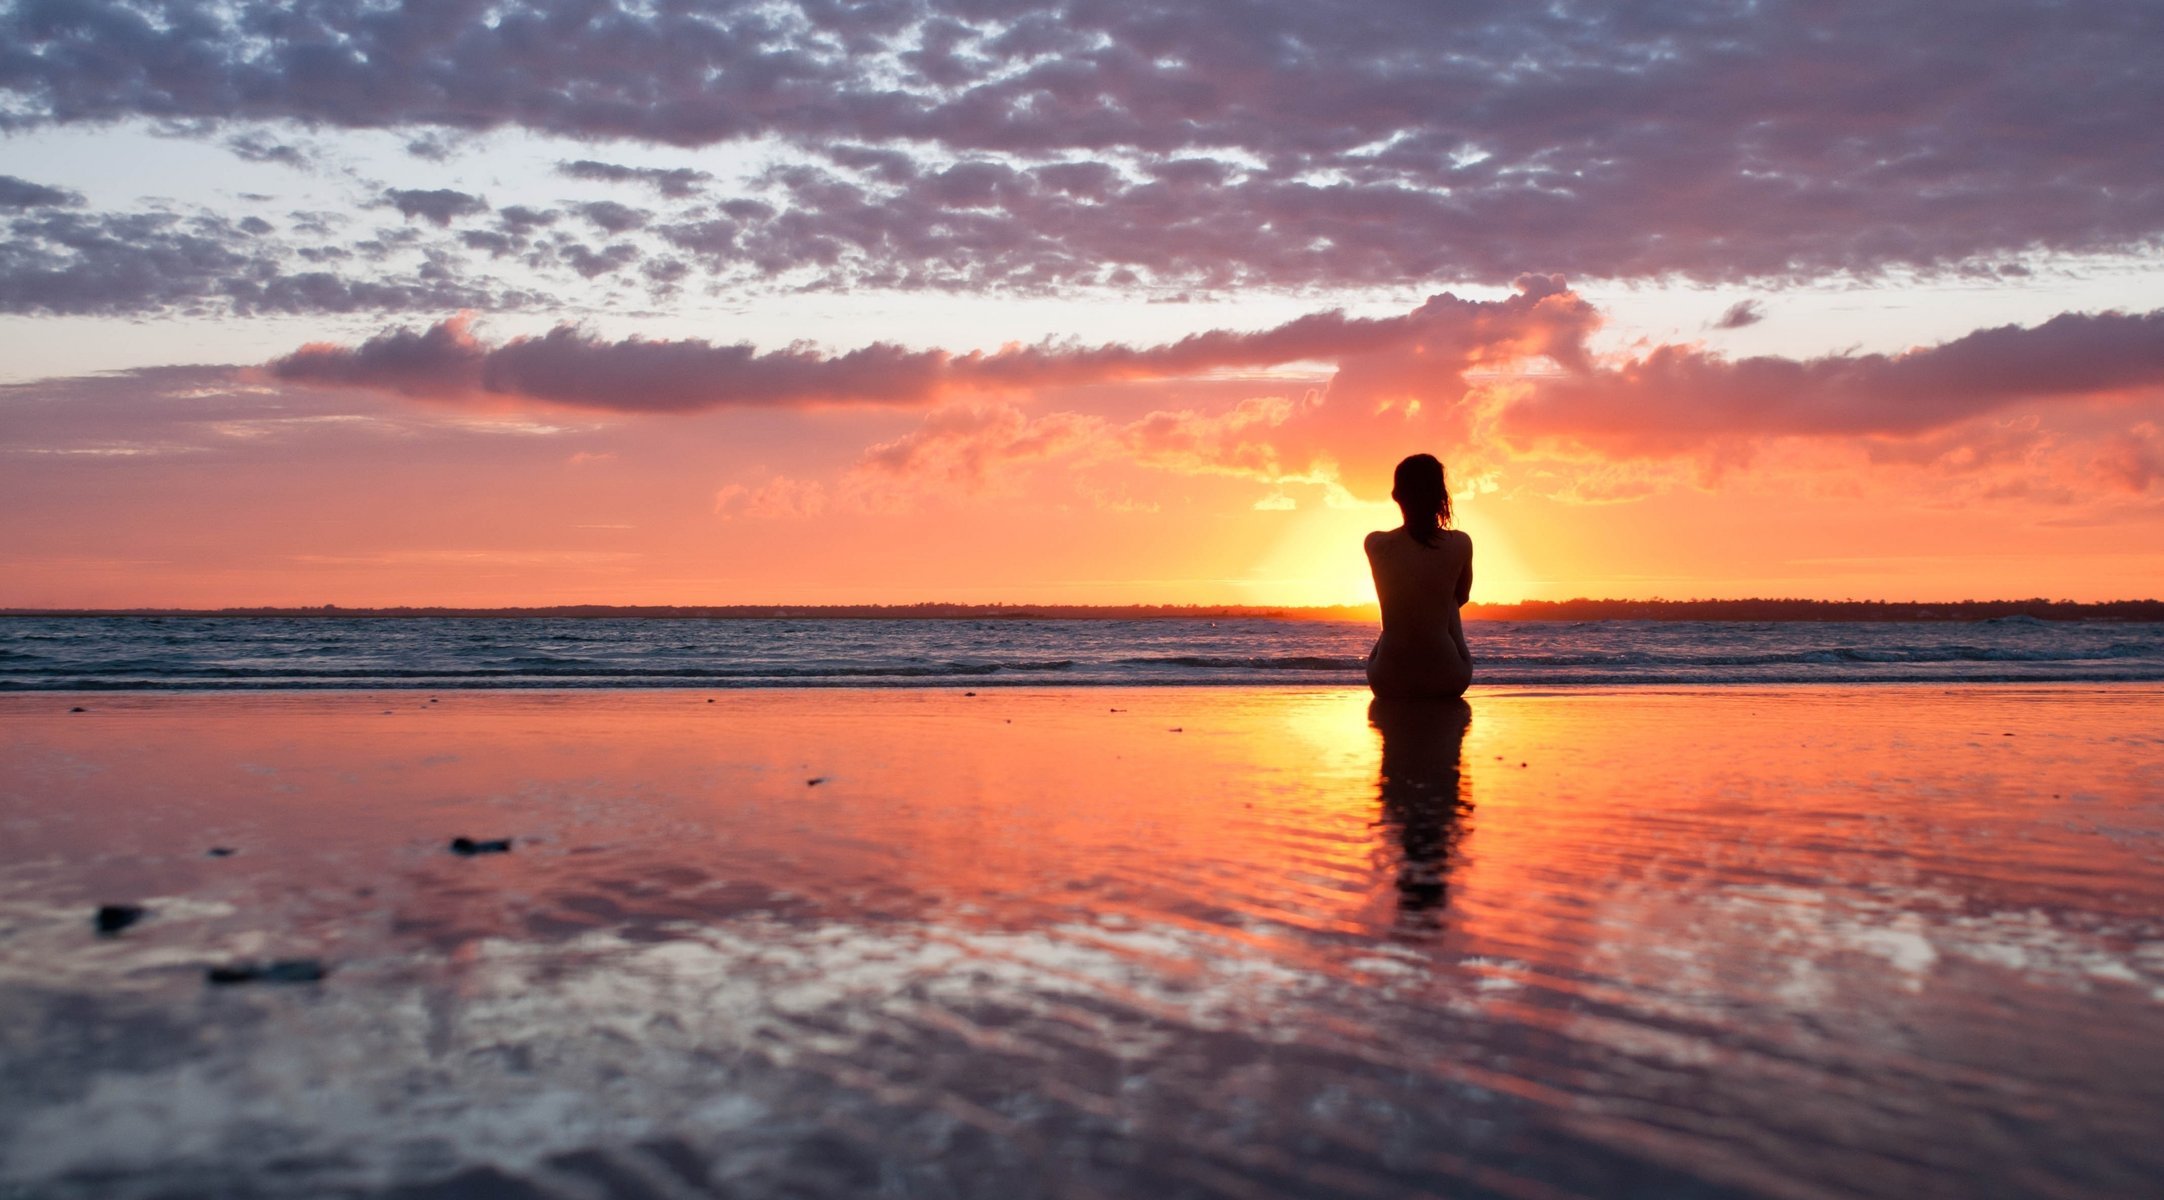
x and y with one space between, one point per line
1738 941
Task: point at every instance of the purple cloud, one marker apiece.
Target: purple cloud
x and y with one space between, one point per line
1280 142
611 217
440 206
676 183
21 193
1741 315
255 147
85 262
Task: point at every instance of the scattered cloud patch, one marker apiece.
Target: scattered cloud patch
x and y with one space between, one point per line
611 217
441 206
1280 143
676 183
1741 315
261 148
21 193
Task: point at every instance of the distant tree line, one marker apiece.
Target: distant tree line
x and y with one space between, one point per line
1817 610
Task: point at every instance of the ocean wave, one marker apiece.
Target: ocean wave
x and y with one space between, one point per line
202 675
64 654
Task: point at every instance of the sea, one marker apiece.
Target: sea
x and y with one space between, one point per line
152 653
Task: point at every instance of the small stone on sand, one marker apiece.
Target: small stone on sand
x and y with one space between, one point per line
220 852
285 970
78 708
112 918
815 781
469 846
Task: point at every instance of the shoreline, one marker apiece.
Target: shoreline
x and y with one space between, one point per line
11 695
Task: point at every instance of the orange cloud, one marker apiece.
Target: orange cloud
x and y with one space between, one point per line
1678 398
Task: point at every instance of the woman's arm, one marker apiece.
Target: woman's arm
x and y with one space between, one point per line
1465 592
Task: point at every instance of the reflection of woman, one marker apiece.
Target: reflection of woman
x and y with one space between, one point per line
1423 574
1423 793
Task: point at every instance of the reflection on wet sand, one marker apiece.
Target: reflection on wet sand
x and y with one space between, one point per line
1425 798
1138 942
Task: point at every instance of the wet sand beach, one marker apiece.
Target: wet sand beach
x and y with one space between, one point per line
1755 941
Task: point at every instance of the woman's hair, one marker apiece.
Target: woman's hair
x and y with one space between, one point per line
1422 496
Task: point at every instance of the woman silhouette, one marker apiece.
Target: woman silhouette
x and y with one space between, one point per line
1423 573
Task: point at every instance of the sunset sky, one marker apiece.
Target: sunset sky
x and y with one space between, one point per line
584 301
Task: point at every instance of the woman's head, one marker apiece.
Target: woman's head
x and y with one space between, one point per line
1422 496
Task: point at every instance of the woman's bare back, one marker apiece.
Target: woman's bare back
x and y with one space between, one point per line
1422 649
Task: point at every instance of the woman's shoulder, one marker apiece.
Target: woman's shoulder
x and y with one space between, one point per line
1376 539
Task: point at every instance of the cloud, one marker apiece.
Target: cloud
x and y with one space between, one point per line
190 411
571 367
1028 144
71 261
611 217
519 219
1383 360
1741 315
438 205
21 193
779 497
1677 399
591 263
258 147
961 444
1488 381
2048 413
675 183
2133 460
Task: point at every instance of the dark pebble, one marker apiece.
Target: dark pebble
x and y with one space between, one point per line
973 693
815 781
285 970
78 708
468 846
112 918
220 851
